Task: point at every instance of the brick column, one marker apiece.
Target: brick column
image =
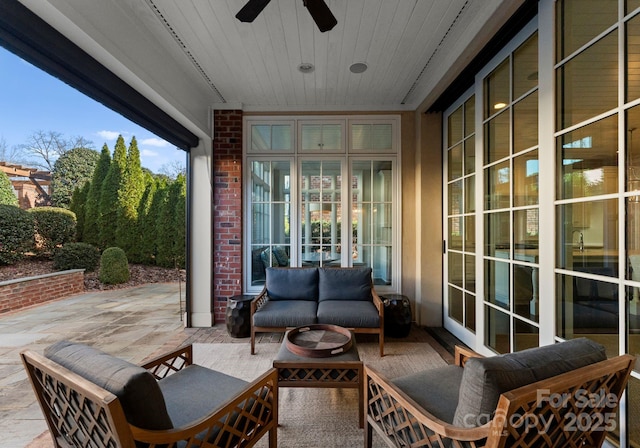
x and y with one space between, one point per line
227 206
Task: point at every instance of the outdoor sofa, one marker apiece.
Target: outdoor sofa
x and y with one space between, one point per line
90 398
559 395
294 297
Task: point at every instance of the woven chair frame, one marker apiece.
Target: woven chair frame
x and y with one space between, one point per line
522 418
572 410
81 414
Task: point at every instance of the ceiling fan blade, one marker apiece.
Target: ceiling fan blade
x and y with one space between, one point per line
321 14
250 11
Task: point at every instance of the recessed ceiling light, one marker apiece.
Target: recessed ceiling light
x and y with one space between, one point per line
358 67
306 67
499 106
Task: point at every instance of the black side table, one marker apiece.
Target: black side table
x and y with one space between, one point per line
238 316
397 315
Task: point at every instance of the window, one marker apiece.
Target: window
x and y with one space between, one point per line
333 202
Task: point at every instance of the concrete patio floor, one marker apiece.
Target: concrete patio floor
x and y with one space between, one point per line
134 324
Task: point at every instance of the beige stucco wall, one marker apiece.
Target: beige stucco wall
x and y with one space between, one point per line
428 205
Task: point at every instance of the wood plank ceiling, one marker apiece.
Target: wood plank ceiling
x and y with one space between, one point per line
256 64
189 55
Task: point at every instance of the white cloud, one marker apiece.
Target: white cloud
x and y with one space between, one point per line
109 135
148 153
158 142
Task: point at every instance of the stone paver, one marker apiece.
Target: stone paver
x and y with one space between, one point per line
134 324
131 323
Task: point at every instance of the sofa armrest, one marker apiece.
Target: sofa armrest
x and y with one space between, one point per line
259 301
169 363
397 417
462 355
227 425
377 301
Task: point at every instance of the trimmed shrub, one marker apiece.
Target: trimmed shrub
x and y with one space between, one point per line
114 267
54 227
16 233
76 256
7 196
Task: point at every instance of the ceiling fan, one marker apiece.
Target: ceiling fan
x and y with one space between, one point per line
318 9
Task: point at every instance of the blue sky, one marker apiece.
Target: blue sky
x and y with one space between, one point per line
32 100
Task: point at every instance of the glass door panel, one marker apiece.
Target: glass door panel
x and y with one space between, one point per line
372 225
321 213
460 221
270 217
511 203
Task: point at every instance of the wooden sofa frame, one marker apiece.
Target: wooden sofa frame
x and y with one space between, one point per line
263 298
401 422
80 413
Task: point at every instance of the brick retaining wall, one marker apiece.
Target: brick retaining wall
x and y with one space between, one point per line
28 291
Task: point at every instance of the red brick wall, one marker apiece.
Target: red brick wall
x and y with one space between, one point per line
227 214
23 293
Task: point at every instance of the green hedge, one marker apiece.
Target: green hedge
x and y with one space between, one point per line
76 256
54 227
16 233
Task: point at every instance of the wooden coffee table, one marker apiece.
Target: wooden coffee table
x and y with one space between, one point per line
342 370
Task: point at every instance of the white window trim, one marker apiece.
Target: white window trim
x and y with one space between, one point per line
347 157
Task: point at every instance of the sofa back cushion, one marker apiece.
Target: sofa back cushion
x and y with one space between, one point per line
344 284
292 283
484 379
136 388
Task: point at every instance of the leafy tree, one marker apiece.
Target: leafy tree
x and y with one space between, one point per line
129 195
91 230
165 227
77 206
145 252
109 195
7 196
72 170
172 236
156 196
179 222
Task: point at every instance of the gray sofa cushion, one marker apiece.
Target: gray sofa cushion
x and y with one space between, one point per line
136 388
286 313
436 390
195 391
484 379
344 284
349 314
292 284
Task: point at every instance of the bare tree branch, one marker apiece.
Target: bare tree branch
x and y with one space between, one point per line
172 169
46 147
11 155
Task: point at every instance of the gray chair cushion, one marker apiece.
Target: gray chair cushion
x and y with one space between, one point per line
484 379
348 313
436 390
136 388
292 284
344 284
286 313
195 392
